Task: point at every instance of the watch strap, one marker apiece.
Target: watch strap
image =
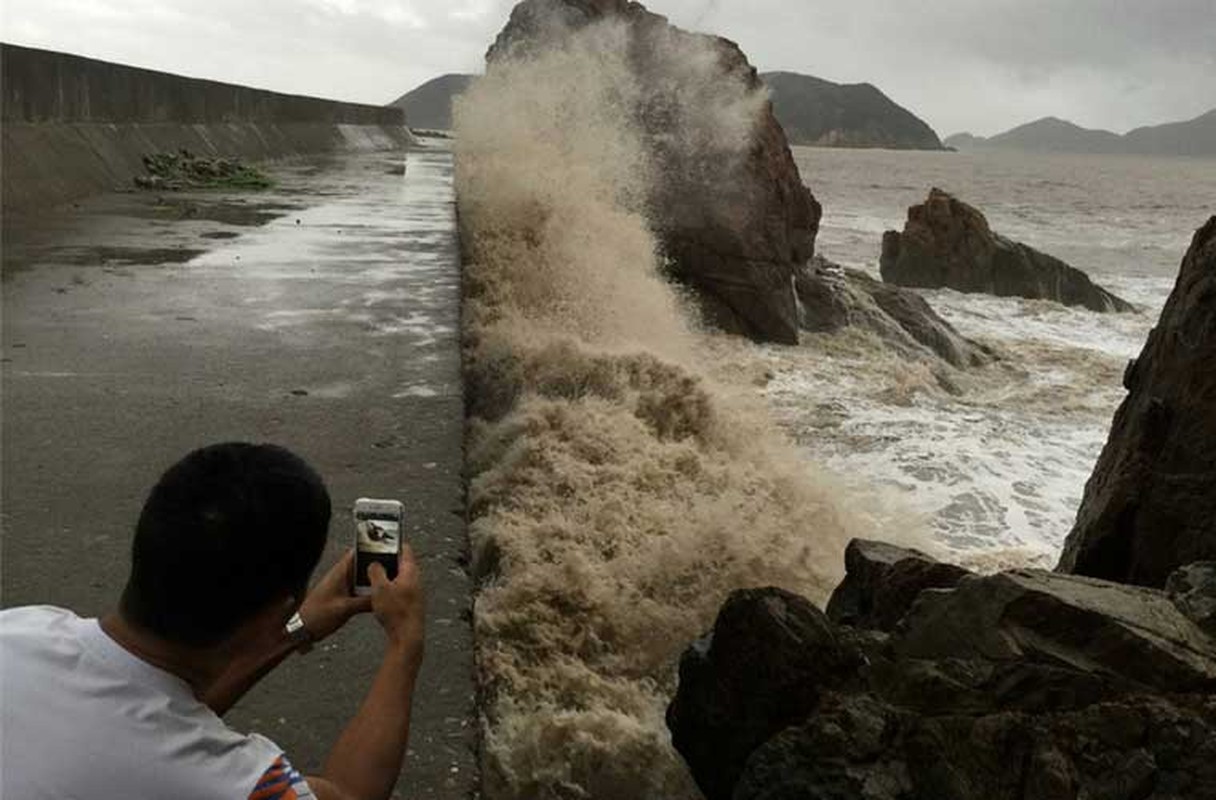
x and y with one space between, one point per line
298 633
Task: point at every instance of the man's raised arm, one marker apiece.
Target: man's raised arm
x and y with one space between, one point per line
367 759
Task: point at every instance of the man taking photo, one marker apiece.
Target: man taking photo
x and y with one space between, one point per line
129 706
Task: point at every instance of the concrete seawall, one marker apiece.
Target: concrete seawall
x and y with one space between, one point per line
76 126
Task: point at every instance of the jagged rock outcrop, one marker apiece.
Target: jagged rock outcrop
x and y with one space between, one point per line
1150 505
882 581
1193 590
780 648
948 244
733 226
858 748
1025 684
832 297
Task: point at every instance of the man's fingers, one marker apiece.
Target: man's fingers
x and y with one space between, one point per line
377 574
345 568
340 572
359 605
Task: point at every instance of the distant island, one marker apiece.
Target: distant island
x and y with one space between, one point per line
1196 137
430 105
825 114
813 112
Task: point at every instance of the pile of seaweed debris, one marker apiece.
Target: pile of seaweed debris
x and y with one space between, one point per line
184 170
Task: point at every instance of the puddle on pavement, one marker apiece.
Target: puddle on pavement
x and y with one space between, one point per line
239 213
124 256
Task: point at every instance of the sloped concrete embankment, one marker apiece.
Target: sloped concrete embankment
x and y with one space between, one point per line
75 126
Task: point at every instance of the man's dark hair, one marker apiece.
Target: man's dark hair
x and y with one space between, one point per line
226 530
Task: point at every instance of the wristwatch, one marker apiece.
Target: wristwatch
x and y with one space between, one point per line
298 634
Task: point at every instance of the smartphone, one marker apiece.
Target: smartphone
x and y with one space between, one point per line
379 527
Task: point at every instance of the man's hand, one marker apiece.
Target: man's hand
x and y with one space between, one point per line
399 604
329 604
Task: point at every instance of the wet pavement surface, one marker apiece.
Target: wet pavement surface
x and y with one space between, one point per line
323 316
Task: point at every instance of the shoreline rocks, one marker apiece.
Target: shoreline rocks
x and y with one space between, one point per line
882 581
733 223
832 297
954 686
924 680
1150 505
948 244
1193 590
763 667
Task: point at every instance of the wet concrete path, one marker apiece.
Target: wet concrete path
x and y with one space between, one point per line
322 316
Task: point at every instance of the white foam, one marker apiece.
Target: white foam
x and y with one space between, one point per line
417 390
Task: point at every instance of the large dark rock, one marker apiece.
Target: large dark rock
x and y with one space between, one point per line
948 244
733 225
858 747
1150 505
1026 684
882 581
760 669
832 297
1052 626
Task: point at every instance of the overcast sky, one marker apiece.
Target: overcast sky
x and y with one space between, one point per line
977 65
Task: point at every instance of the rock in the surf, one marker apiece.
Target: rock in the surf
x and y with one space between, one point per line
832 297
857 747
1064 638
1023 684
948 244
882 581
1150 505
761 668
733 225
1193 591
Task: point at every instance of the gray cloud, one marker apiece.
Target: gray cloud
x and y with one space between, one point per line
982 65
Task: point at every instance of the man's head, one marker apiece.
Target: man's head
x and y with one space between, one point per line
226 531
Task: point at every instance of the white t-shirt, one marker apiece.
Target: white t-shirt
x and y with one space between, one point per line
80 717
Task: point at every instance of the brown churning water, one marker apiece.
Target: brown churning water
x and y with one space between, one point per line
617 492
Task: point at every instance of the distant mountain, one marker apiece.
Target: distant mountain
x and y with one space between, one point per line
818 112
1059 136
812 111
1196 137
430 105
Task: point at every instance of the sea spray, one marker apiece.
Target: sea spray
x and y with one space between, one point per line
617 493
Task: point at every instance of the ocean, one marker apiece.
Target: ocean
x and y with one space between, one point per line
995 474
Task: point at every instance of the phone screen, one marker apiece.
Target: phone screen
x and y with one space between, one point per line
378 541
